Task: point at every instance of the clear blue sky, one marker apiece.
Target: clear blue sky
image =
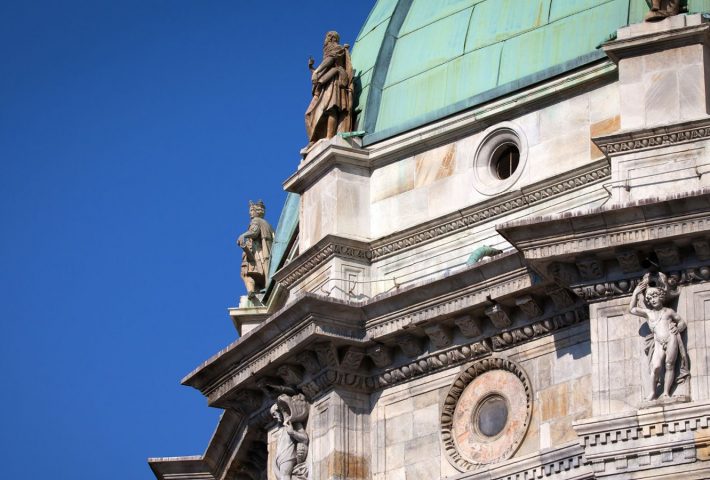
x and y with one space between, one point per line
132 135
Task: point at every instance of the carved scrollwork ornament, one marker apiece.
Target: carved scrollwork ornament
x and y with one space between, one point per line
486 413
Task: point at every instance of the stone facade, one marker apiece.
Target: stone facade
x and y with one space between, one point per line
382 326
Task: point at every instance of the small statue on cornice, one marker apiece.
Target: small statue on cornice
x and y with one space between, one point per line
661 9
664 345
331 109
291 412
256 249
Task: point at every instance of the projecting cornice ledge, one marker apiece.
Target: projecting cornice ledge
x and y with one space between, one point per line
690 32
323 157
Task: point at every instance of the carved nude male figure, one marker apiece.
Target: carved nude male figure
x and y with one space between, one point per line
664 344
289 462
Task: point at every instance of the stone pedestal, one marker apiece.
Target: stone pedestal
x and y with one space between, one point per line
661 148
333 181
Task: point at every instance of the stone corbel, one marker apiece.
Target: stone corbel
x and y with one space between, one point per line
469 326
560 297
411 345
529 306
380 355
308 361
352 358
668 255
499 316
291 374
628 260
440 337
590 268
702 248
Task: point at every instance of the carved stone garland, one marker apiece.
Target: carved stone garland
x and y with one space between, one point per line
486 413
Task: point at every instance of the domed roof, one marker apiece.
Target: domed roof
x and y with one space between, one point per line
420 60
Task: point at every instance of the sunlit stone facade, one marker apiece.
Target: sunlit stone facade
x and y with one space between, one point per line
453 298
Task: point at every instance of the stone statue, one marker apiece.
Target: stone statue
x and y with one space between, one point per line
291 412
256 246
330 110
664 345
661 9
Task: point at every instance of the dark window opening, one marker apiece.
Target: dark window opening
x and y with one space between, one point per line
505 161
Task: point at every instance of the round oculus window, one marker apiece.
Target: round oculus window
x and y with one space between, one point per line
500 159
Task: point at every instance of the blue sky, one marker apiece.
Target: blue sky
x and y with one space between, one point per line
132 135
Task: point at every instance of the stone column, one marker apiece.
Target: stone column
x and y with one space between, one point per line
340 437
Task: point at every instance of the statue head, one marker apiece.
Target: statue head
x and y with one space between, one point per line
655 297
331 37
257 209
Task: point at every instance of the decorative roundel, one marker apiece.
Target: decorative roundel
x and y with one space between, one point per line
486 413
500 158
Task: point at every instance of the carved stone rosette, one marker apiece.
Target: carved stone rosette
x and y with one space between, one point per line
486 413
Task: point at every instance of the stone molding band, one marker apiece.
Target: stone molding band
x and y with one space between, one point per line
367 252
646 139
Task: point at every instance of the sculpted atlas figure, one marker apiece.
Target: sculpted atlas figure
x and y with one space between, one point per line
330 110
256 249
664 345
291 412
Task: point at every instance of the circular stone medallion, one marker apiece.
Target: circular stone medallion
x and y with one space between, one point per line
486 413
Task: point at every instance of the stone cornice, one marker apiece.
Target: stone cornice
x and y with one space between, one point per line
661 40
619 443
311 319
544 238
449 224
323 157
653 138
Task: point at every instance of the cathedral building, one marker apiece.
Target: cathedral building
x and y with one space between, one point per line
494 259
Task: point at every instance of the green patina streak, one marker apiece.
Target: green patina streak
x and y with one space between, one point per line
453 54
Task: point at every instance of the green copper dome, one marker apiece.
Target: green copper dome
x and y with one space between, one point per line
417 61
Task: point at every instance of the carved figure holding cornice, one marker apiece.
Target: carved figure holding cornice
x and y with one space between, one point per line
330 110
661 9
291 412
664 344
256 246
